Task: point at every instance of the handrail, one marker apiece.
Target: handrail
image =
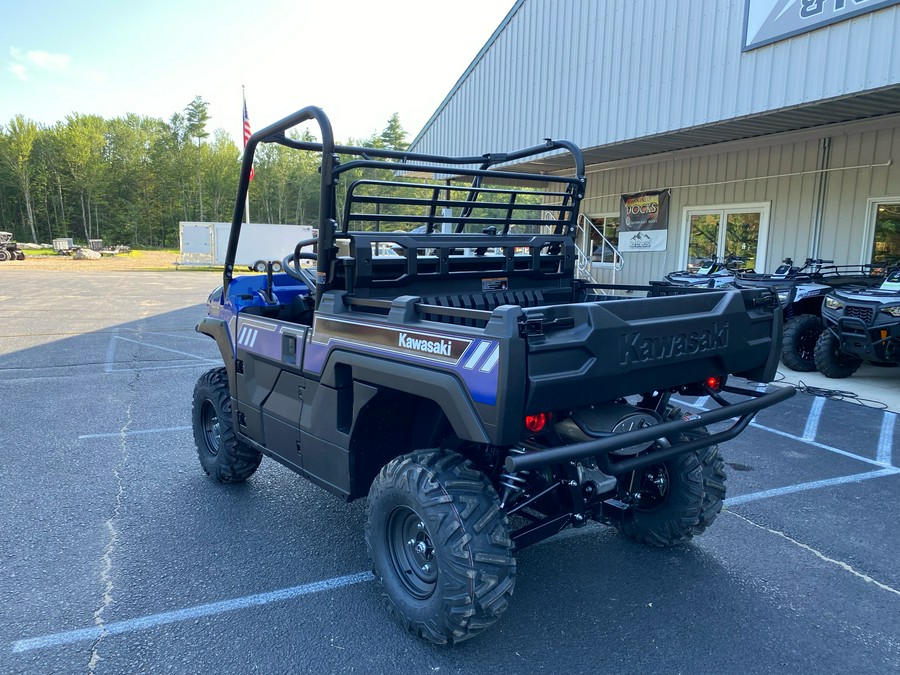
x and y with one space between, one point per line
584 257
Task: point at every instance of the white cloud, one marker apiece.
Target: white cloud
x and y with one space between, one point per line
23 62
18 70
27 64
58 63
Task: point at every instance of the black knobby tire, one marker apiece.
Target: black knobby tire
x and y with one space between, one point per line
680 497
221 454
799 345
4 255
714 476
20 255
831 361
439 545
669 517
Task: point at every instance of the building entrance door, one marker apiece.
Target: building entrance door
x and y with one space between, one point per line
727 231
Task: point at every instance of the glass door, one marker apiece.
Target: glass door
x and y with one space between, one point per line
737 231
703 246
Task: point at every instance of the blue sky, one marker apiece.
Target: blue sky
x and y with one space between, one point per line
361 61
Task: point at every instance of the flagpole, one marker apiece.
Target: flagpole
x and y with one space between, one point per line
246 133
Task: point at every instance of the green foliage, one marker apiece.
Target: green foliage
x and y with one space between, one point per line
131 179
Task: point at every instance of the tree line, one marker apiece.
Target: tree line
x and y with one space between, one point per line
130 180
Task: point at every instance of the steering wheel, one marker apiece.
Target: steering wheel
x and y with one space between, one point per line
291 263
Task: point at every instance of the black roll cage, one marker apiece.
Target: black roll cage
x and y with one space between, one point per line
402 161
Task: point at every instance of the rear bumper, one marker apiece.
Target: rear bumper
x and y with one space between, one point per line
600 449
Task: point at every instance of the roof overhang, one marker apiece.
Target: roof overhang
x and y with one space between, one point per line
852 108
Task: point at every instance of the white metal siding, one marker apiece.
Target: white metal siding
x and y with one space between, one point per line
600 72
843 226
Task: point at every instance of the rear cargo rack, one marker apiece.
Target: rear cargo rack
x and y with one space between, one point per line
539 204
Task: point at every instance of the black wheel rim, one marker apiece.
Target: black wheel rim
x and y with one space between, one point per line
412 552
210 421
806 343
652 487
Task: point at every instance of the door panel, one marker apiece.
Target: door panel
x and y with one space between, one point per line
704 238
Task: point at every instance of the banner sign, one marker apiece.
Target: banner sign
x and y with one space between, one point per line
644 221
767 21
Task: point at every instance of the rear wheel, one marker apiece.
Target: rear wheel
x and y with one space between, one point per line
20 255
439 545
831 361
677 499
667 501
221 454
714 475
799 346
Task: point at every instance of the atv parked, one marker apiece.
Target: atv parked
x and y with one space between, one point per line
801 291
463 380
712 273
860 325
9 250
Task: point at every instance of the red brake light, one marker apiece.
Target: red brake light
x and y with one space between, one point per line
714 383
536 423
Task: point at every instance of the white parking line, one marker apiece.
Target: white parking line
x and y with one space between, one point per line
812 420
801 439
886 438
136 432
211 609
814 485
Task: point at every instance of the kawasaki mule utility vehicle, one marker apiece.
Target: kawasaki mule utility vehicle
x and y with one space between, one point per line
801 291
441 359
860 325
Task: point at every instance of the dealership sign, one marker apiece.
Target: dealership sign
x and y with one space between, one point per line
767 21
644 221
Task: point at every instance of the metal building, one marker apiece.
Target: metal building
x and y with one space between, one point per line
772 124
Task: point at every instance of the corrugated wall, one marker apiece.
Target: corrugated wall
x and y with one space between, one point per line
844 216
757 174
601 72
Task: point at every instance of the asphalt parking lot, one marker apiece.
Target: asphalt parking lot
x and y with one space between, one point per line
119 556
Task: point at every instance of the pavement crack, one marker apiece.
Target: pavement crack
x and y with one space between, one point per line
844 566
106 561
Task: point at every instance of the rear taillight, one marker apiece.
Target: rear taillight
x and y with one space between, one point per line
714 383
536 423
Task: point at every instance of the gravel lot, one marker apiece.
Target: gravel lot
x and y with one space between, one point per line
137 261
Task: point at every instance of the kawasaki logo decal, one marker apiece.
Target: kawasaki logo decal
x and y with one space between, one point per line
427 346
444 348
636 348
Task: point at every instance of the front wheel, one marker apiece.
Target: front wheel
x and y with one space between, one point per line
831 361
222 455
439 545
799 346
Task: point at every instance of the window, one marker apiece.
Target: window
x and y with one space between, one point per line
604 239
886 243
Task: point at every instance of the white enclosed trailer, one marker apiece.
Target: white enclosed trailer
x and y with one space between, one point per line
206 243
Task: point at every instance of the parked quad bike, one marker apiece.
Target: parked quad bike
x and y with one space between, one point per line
861 325
801 290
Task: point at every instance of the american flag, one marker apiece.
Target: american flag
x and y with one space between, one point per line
247 131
